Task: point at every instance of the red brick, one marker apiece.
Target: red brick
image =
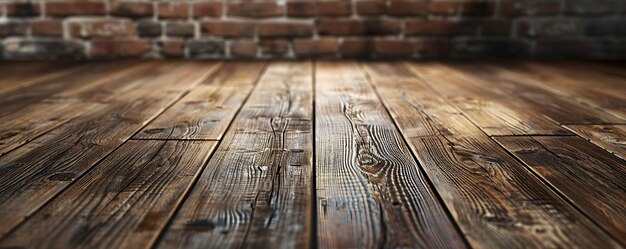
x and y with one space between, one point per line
319 8
358 27
285 29
432 48
274 47
439 27
212 9
256 9
22 9
132 9
326 46
357 47
69 8
173 10
173 47
245 49
100 27
407 8
229 28
389 47
370 7
119 48
445 7
529 7
46 27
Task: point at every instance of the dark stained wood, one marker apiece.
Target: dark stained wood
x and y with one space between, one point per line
206 112
556 107
495 200
609 137
590 177
34 120
495 112
145 181
370 191
34 173
256 191
22 74
580 90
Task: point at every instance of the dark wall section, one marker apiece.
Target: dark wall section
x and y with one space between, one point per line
94 29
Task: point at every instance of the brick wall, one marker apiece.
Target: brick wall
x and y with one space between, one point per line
95 29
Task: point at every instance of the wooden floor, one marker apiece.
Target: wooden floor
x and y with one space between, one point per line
328 154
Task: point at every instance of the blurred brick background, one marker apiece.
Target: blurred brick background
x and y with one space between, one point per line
96 29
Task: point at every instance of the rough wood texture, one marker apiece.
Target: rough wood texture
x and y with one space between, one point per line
590 177
206 112
370 191
496 201
256 190
609 137
34 173
495 112
145 182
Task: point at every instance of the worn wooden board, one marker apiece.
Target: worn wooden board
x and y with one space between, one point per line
580 90
34 173
256 191
145 182
556 107
609 137
371 193
588 176
496 201
495 112
206 112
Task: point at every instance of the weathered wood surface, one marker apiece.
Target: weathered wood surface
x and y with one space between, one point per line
371 193
609 137
591 178
256 191
206 111
495 200
123 203
556 107
570 87
494 111
34 173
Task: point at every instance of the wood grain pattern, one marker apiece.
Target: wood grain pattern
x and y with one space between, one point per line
34 173
561 110
580 90
609 137
496 201
370 191
23 74
590 177
146 181
496 113
206 112
256 190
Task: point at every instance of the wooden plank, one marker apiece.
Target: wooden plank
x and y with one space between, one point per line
23 74
578 90
370 190
206 112
609 137
33 174
22 127
495 200
16 100
256 190
496 113
590 177
145 182
561 110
